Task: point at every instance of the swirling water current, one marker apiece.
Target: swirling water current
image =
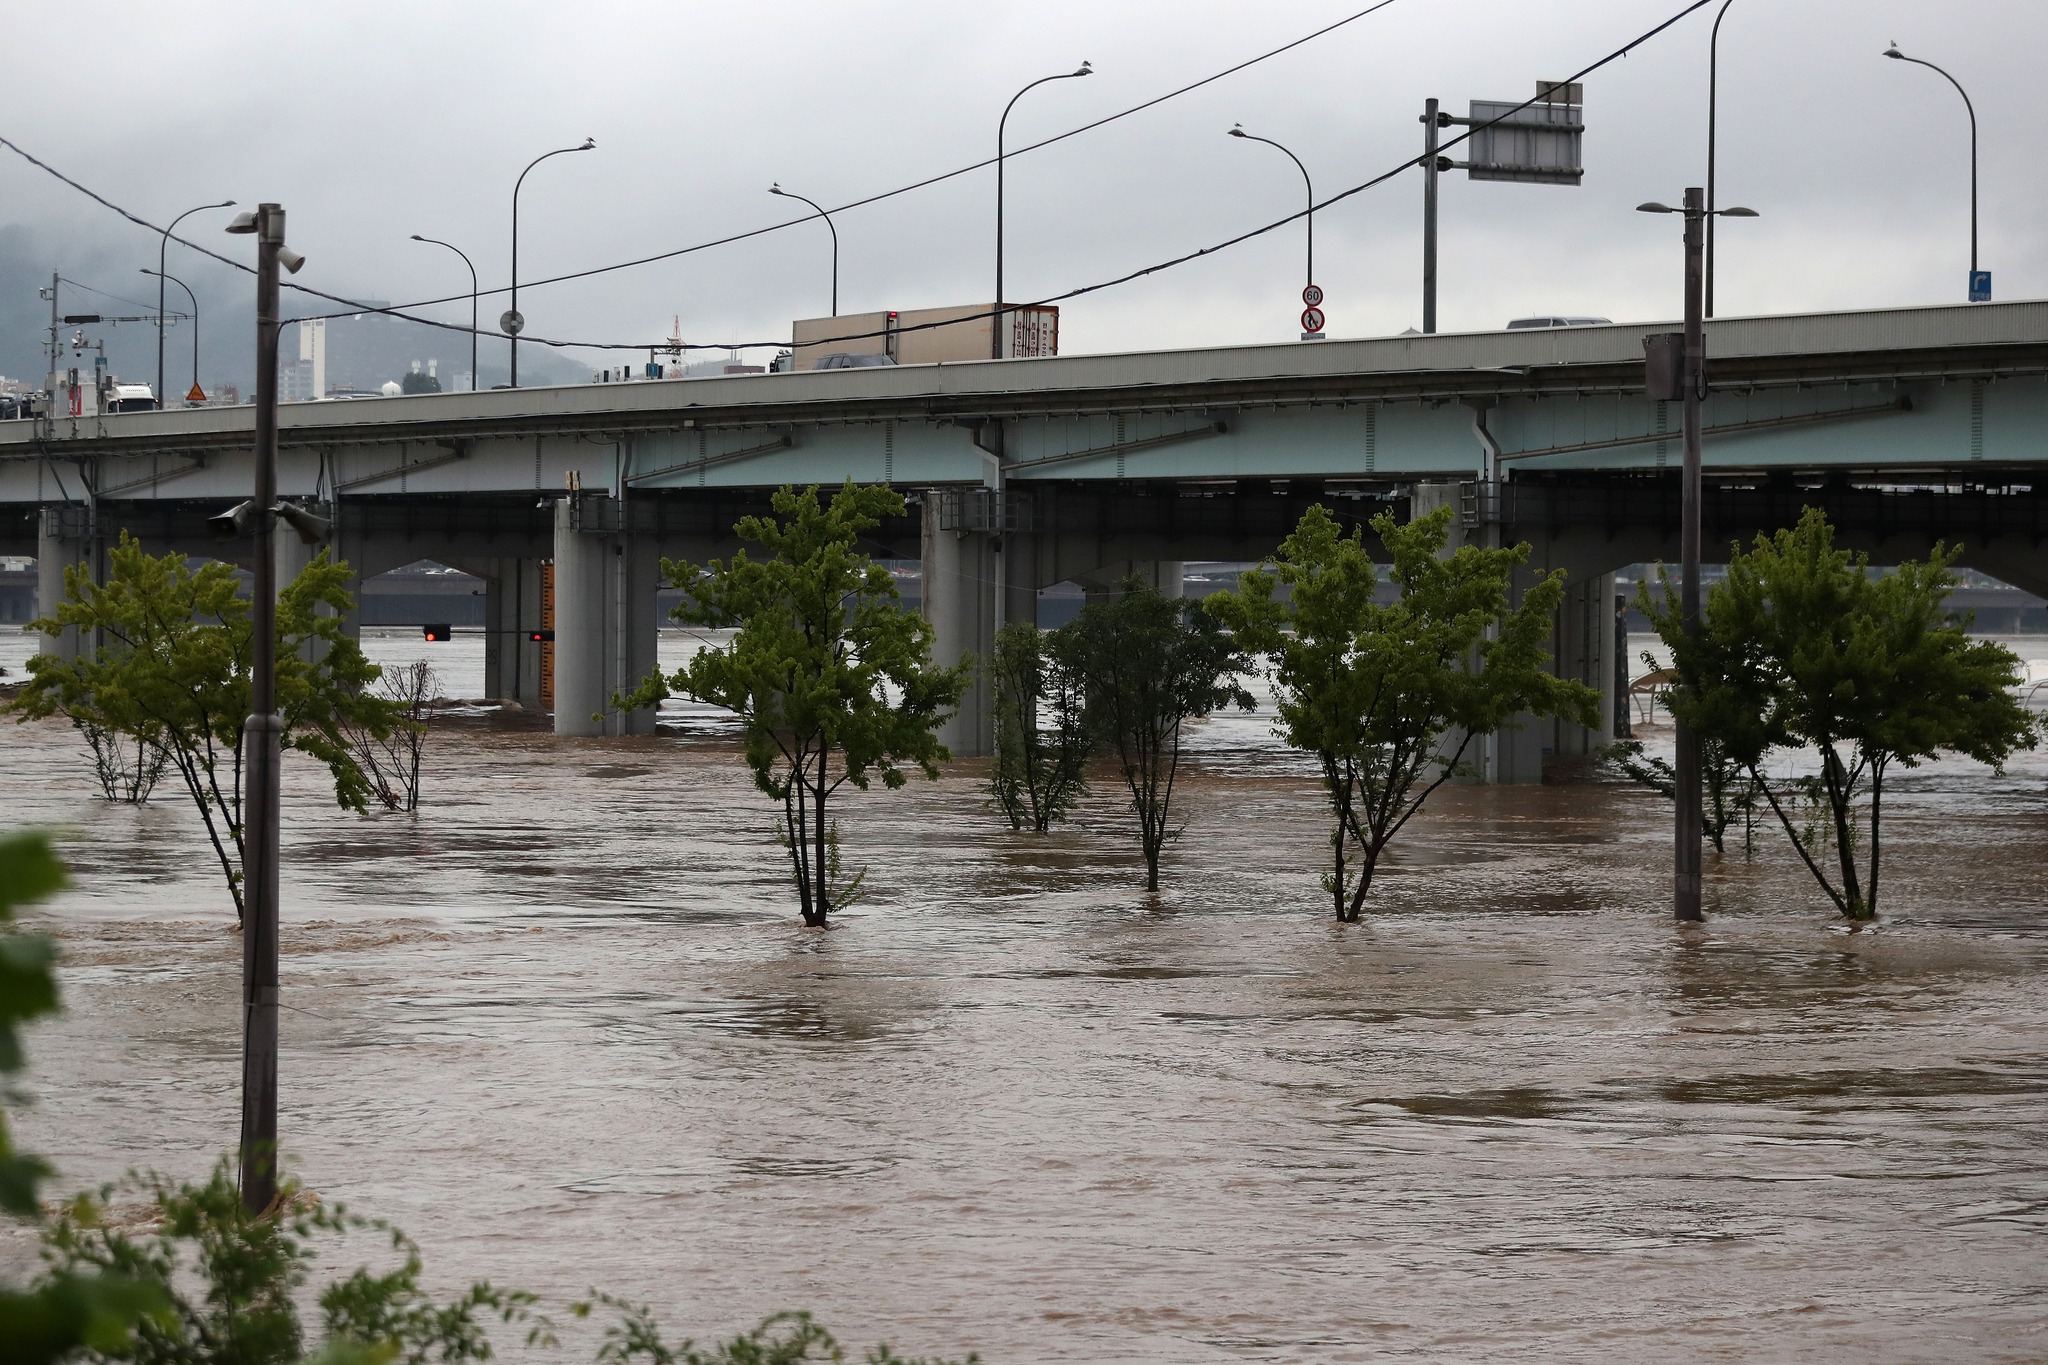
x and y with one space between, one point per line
562 1026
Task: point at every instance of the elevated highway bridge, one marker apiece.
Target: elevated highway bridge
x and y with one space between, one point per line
1907 425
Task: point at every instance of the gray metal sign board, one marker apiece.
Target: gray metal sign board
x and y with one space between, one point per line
1539 145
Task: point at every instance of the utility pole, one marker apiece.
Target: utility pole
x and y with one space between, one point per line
1685 904
1690 378
1431 122
262 742
1534 142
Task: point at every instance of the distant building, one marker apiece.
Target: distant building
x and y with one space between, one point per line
927 336
306 379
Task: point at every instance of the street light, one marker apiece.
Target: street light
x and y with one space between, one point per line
1894 53
162 249
1308 284
786 194
995 331
436 241
512 323
161 277
1692 379
262 739
1713 111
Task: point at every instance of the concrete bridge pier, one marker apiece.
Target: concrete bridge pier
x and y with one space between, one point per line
958 569
605 582
512 615
63 541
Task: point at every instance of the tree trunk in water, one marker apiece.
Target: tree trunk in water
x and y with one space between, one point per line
821 867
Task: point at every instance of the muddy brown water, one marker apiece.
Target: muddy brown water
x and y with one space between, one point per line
563 1027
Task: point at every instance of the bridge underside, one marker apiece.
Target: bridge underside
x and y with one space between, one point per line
985 558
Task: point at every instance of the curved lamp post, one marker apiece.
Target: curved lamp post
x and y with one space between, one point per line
787 194
512 322
1238 131
1894 53
1713 100
162 249
436 241
995 331
160 278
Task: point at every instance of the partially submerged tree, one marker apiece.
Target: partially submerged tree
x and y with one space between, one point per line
391 759
1803 648
1727 792
832 679
1041 743
172 668
1390 697
1148 664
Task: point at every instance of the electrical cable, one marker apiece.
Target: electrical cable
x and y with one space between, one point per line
354 307
1414 161
132 303
398 310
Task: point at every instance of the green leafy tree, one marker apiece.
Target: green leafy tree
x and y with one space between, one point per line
419 382
1041 742
1148 664
832 679
1803 648
172 671
1390 697
71 1310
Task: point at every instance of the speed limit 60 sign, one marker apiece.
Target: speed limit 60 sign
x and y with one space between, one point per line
1313 296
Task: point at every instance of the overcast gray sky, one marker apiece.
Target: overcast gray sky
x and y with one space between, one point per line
373 121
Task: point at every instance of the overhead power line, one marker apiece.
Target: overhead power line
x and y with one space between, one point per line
352 307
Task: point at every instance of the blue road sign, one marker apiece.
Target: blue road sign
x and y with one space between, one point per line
1980 286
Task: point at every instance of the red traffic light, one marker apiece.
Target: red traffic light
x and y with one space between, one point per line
541 636
438 633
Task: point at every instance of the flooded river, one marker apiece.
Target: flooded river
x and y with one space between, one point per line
563 1026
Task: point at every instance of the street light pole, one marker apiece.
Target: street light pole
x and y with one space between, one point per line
161 277
786 194
162 263
516 323
1893 52
1238 131
436 241
1713 100
262 741
1687 825
995 329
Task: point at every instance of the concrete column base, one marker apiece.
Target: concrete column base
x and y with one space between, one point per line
63 541
605 580
959 587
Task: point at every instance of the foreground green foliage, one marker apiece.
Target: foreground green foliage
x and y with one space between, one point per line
1803 648
156 1272
227 1287
68 1311
1389 698
1041 741
171 672
1148 664
826 669
783 1339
